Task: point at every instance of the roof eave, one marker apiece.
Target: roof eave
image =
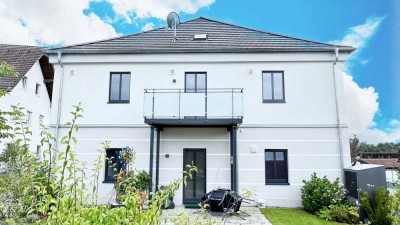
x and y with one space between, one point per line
167 51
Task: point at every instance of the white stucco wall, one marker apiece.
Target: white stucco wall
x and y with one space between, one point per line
305 124
37 104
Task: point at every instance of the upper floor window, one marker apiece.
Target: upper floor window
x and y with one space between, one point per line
38 152
41 117
28 118
114 163
195 82
273 87
276 166
120 87
37 89
24 83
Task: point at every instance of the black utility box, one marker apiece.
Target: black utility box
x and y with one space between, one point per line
361 178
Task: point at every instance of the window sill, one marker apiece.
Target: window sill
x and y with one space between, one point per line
274 101
283 183
118 102
108 182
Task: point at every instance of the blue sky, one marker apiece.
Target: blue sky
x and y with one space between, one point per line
373 69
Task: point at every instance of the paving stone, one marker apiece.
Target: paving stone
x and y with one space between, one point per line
255 216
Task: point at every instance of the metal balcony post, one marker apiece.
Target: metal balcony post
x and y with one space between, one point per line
233 157
151 161
158 157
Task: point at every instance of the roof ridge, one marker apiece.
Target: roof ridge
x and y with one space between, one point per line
267 32
31 46
115 38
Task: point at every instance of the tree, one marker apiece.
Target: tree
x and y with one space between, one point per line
381 147
6 70
354 149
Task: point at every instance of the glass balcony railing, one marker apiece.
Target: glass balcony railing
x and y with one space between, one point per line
178 104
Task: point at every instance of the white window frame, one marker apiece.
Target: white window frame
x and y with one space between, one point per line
41 118
28 118
37 89
39 152
24 82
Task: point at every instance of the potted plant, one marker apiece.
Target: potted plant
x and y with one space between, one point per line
142 182
134 183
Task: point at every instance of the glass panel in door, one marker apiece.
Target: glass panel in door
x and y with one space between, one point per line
196 187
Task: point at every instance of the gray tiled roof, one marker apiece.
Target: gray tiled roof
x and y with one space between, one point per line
22 57
222 37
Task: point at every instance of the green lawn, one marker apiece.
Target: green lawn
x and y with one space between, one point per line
293 217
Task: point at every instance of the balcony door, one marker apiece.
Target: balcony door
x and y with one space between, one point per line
195 96
196 186
195 82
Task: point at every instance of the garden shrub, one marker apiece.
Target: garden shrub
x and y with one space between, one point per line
32 218
395 207
134 183
54 189
318 193
340 213
377 208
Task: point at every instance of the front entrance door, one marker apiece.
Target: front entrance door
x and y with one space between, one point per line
196 187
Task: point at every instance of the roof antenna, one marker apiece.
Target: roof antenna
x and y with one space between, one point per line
173 22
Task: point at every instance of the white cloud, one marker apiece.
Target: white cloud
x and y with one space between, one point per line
362 105
394 123
148 26
358 37
142 9
50 22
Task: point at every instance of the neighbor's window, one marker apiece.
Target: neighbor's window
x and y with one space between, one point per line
24 83
37 89
28 118
273 87
119 87
114 164
276 166
41 117
195 82
38 152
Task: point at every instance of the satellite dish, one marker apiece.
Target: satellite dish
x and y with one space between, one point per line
173 22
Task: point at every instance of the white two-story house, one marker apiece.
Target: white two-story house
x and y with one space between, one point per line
251 109
30 89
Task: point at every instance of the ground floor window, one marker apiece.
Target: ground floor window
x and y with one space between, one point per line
114 164
276 166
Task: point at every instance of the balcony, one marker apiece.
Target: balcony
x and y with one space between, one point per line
175 107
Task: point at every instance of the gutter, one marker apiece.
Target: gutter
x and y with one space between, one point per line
338 116
59 54
186 50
